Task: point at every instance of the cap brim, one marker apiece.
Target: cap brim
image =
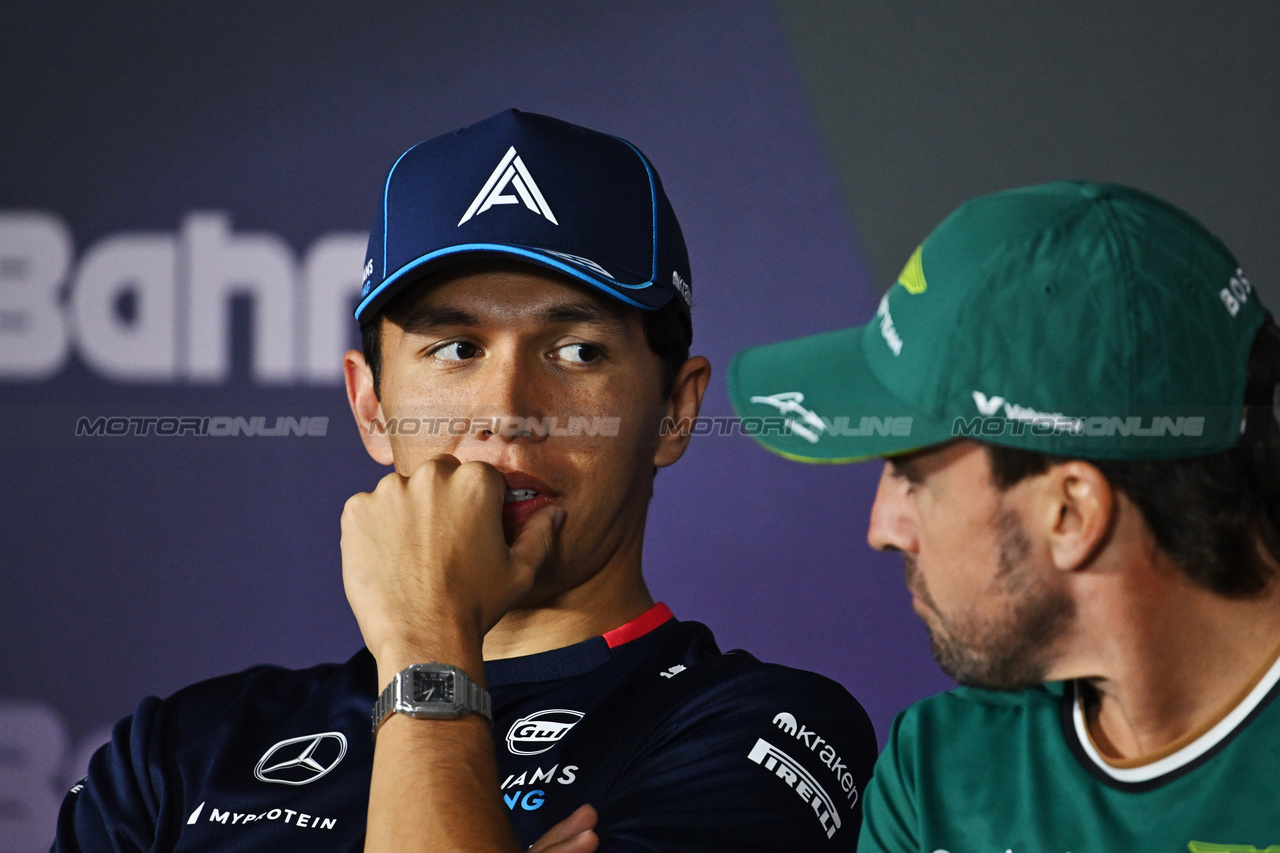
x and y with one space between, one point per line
814 399
646 296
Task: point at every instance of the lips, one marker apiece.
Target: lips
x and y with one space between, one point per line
525 495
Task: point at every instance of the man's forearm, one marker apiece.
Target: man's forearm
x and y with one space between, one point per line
428 572
435 782
435 787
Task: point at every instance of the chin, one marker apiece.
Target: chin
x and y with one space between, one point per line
1013 670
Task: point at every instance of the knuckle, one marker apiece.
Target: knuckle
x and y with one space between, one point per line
442 463
385 485
435 469
479 474
353 506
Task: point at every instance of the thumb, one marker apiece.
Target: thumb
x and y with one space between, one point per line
571 835
537 536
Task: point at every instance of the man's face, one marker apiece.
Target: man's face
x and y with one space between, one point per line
551 384
992 602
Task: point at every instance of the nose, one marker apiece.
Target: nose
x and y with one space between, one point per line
510 404
892 523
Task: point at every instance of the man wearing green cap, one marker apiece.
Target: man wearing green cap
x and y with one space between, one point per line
1074 388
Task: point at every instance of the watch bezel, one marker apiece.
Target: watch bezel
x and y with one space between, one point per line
396 698
432 708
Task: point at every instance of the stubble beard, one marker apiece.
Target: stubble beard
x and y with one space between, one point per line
1011 651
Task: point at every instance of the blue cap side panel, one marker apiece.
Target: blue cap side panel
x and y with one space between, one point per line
653 206
386 192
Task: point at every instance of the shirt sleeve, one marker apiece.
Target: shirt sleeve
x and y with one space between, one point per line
115 806
766 758
889 818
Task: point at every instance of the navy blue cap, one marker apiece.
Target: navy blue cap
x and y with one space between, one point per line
535 189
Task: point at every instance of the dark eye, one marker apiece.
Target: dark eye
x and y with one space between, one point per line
580 353
456 351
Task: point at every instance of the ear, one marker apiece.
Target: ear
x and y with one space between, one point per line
366 406
1078 513
682 406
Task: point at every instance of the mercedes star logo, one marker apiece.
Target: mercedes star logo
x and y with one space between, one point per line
301 760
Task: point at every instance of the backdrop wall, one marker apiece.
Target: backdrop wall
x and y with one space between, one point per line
183 202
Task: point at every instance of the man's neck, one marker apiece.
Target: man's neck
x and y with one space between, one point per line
611 598
1175 659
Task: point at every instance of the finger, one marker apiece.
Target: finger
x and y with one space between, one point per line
587 842
537 536
571 829
442 463
479 482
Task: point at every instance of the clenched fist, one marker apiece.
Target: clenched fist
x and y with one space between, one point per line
427 568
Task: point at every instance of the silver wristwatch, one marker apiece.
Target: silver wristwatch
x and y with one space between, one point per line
431 690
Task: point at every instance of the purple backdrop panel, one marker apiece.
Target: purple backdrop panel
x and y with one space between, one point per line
184 197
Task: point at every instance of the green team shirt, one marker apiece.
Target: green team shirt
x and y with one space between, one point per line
979 771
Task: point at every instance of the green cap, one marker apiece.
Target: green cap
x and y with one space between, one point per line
1073 318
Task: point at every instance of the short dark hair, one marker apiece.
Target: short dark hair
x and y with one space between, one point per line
668 331
1216 516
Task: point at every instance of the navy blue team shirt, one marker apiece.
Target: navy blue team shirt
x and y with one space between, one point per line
680 748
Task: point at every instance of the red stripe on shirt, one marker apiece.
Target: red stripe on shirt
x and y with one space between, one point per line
639 626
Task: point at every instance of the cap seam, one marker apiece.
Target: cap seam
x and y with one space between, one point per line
1124 262
653 209
386 194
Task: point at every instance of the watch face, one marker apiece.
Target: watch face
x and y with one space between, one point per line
432 686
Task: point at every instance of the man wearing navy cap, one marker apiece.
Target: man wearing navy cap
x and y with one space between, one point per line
1075 390
526 323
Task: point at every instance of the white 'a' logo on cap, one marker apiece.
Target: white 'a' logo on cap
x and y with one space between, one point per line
512 172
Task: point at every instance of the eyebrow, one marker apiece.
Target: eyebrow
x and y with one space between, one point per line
582 312
428 319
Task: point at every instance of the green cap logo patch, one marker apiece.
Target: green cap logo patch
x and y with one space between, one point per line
912 275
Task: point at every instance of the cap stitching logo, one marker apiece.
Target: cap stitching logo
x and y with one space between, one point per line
887 330
510 171
582 262
1236 293
788 402
682 286
302 760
